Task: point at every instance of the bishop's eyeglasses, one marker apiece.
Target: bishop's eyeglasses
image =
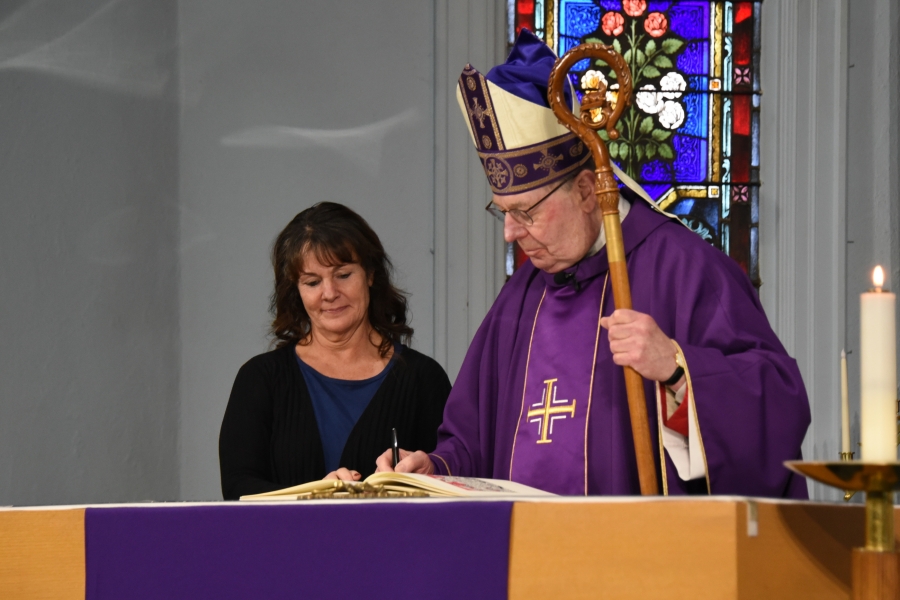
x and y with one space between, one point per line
521 216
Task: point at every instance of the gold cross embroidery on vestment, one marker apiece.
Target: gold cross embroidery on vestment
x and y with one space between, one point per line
546 411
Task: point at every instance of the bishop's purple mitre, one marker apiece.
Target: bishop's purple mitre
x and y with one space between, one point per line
519 141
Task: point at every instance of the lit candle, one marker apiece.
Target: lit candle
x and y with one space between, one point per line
845 406
878 372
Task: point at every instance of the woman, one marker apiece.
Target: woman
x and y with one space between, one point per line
324 402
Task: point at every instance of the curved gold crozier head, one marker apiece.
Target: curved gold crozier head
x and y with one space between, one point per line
600 109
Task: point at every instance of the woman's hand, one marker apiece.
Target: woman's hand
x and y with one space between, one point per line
410 462
344 475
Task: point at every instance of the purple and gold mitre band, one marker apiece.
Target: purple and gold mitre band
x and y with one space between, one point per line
511 166
531 167
479 109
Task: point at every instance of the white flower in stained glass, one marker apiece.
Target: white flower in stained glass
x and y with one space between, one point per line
649 101
612 93
674 84
592 80
672 115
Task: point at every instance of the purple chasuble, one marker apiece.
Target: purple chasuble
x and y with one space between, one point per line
549 450
752 409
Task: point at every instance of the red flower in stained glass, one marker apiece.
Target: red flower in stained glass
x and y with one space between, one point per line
741 75
739 194
634 8
656 24
612 23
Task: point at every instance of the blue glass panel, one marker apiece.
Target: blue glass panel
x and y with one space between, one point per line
580 19
690 20
695 108
656 170
754 204
611 4
682 207
658 5
690 159
754 255
657 190
694 59
701 215
754 140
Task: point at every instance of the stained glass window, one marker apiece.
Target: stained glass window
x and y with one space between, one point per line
691 136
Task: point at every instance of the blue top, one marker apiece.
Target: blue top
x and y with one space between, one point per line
338 404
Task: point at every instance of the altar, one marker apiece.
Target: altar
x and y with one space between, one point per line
711 547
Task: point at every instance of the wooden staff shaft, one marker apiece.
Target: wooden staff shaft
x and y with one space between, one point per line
608 199
634 383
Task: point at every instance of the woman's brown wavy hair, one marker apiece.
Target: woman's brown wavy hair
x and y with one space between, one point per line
336 235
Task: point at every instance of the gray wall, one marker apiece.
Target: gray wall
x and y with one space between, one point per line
873 163
285 104
89 359
152 152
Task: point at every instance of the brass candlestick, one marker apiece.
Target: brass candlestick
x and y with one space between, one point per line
845 457
876 567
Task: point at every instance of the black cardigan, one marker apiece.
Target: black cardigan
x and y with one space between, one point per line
270 439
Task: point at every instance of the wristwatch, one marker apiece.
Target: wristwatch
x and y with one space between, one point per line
679 368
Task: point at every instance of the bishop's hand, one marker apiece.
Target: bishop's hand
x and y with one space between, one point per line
410 462
636 341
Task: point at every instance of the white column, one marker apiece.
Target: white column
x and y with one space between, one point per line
803 201
468 250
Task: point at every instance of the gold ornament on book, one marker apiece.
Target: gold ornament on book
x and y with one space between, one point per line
353 490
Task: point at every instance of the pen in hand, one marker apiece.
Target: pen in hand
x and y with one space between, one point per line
396 449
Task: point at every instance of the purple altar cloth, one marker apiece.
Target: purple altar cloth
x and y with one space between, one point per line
377 550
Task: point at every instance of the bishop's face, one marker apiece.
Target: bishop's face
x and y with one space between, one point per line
564 227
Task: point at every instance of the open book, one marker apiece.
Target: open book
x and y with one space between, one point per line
388 485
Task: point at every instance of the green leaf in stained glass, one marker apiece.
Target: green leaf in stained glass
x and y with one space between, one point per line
612 75
647 125
651 151
614 149
660 135
603 135
665 150
639 152
650 48
640 58
663 62
617 46
627 56
593 40
651 71
671 46
623 151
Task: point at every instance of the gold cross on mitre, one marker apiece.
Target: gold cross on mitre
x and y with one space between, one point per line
546 412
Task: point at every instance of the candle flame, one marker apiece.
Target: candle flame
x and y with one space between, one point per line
878 276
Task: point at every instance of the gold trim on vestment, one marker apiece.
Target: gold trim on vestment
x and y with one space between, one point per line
587 417
446 466
659 434
687 375
512 454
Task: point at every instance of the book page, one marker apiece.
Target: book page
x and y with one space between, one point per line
445 485
433 485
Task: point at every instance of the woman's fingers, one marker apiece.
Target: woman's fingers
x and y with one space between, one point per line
344 475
